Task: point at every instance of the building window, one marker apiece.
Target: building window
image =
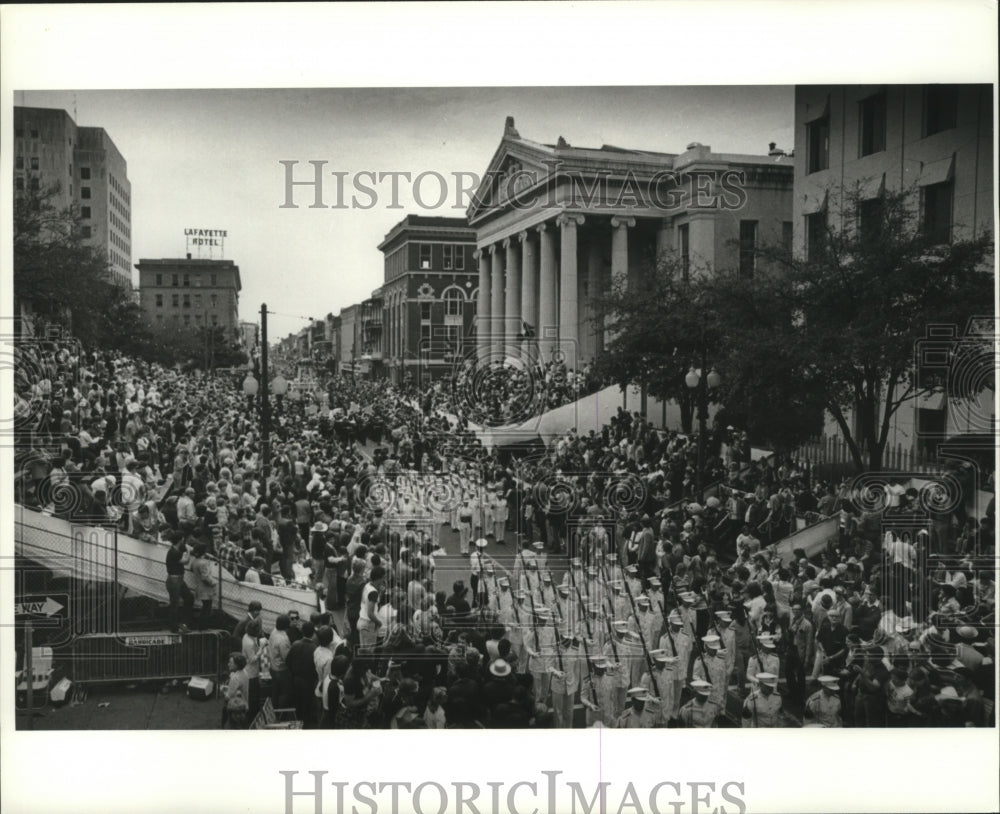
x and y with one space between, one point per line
34 162
187 319
425 312
936 211
214 300
459 258
684 248
872 124
453 300
748 247
35 185
940 108
815 235
19 162
175 300
787 231
870 219
84 173
215 319
173 279
34 134
186 300
187 280
85 232
214 279
19 184
85 193
197 281
159 300
197 319
197 300
85 212
425 255
159 279
447 261
818 145
454 338
425 338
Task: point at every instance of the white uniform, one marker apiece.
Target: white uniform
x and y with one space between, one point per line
665 685
764 710
564 687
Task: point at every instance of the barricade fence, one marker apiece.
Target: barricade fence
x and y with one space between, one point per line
833 449
110 658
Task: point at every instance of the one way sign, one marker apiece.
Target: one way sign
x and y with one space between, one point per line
41 607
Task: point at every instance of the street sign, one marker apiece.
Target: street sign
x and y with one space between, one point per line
41 607
152 640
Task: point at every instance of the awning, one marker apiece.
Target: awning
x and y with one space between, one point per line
814 202
872 188
937 172
818 112
932 401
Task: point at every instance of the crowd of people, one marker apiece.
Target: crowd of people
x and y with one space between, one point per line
508 391
618 593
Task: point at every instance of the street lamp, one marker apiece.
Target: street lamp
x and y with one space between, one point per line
702 384
250 388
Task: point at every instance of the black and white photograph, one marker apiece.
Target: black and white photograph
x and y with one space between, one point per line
349 407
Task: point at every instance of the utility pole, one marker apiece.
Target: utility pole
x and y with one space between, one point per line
265 401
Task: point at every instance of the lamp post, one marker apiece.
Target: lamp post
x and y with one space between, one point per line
696 381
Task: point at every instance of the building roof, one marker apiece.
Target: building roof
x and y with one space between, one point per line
425 226
191 263
550 159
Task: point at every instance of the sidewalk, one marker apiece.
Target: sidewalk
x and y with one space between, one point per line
144 707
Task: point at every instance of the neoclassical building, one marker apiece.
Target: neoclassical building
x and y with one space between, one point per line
555 223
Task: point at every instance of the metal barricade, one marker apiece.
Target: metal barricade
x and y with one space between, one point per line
109 658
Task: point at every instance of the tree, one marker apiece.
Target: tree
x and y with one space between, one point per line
66 281
673 317
853 313
660 328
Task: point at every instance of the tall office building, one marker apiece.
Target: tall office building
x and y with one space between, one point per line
86 171
931 142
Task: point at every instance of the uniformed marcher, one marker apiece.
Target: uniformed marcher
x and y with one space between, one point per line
539 643
635 717
700 712
632 653
766 659
762 708
623 662
650 621
565 679
724 622
716 664
677 643
604 681
663 674
823 706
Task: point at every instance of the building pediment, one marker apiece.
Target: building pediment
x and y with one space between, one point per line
516 166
